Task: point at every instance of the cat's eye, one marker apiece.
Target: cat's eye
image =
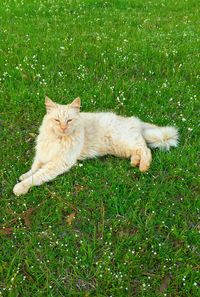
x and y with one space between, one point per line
68 121
57 120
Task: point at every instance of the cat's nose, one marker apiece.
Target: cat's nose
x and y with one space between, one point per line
63 127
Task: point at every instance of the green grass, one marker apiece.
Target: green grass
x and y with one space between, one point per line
133 234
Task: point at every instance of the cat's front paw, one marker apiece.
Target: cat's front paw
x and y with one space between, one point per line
20 189
23 176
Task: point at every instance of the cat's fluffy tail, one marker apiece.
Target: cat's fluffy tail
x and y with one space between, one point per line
161 137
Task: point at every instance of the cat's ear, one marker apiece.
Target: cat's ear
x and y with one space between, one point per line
76 103
49 104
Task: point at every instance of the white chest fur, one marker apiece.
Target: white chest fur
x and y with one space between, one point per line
59 148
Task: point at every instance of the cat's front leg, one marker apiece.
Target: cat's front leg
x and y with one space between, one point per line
46 173
35 167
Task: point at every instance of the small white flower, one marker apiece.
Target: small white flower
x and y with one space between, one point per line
195 284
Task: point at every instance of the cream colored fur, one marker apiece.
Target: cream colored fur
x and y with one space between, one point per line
67 135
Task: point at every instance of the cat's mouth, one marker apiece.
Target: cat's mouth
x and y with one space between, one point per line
60 132
63 133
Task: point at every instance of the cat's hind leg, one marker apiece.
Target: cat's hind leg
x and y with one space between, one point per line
135 157
141 157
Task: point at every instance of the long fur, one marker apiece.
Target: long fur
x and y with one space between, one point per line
67 135
160 137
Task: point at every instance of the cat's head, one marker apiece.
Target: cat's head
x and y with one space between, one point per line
62 118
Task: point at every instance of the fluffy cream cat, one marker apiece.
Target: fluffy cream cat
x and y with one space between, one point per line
67 135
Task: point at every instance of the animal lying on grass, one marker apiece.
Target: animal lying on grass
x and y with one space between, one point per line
67 135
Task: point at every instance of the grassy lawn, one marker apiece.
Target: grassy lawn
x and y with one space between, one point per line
103 229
